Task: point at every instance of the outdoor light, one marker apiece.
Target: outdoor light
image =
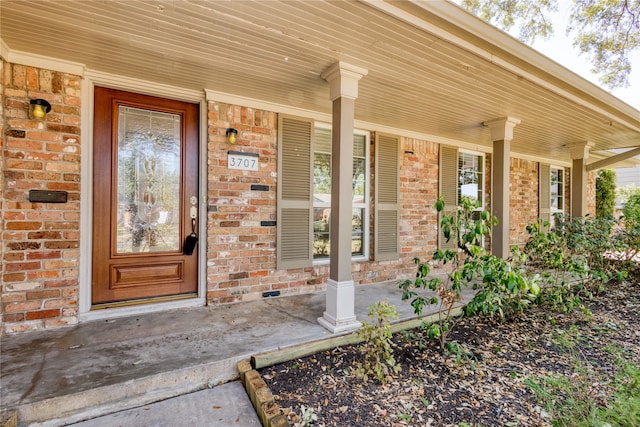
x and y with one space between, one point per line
38 108
232 135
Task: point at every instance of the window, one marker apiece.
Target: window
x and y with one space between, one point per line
557 190
551 199
322 193
470 176
304 194
461 174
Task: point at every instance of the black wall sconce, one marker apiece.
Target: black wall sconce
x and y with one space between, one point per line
232 135
38 109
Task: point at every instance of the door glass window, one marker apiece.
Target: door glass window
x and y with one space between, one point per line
148 181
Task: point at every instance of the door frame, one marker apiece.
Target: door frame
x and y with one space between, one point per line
95 78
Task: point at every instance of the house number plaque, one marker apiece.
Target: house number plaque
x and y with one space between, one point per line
243 161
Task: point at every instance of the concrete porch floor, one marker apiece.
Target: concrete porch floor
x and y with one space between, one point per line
58 377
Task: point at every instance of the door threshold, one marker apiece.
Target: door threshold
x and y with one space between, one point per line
141 306
141 301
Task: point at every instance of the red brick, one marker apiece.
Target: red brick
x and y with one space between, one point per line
62 283
43 294
61 303
23 225
13 277
42 274
13 256
44 235
61 245
22 266
43 314
13 297
18 307
15 317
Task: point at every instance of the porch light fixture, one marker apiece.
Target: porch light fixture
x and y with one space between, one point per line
38 109
232 135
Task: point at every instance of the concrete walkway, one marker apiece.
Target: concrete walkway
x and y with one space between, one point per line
59 377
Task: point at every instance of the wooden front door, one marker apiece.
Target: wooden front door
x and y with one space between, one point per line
145 189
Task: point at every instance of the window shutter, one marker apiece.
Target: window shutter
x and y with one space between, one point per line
448 190
544 193
387 212
295 203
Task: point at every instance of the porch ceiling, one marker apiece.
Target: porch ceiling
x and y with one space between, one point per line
433 68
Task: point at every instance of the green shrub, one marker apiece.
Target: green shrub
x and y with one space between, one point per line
502 288
377 347
629 230
605 193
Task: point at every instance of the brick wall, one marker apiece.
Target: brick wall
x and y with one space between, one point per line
567 191
241 253
523 202
419 178
40 259
591 193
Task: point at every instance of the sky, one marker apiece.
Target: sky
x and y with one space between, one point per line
560 49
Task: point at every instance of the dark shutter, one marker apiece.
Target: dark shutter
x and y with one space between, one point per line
295 195
387 203
448 190
544 198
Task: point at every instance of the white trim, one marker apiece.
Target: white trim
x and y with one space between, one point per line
86 198
96 78
227 98
203 201
145 87
4 49
45 62
112 313
540 159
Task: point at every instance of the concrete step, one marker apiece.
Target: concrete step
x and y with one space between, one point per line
225 405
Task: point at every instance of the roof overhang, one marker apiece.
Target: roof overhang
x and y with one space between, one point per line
435 71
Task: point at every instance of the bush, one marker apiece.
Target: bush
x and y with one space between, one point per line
503 289
629 232
377 347
605 193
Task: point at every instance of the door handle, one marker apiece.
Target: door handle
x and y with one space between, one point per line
192 239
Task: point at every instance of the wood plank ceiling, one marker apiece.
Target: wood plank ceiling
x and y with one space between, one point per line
275 51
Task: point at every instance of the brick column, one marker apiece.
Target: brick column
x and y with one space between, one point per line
340 300
40 240
501 135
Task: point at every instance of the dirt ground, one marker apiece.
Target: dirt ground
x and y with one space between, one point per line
487 386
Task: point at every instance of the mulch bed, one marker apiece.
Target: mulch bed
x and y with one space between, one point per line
484 388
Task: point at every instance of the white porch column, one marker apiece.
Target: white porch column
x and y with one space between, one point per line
579 155
501 135
339 315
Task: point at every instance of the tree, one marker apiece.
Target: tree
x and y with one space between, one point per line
607 31
605 193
